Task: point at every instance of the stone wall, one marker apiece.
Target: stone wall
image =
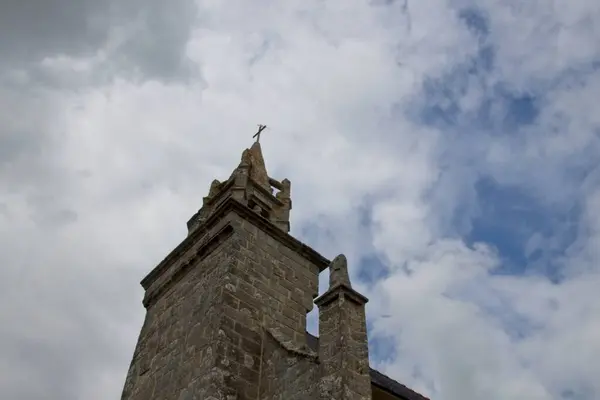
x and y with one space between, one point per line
209 309
273 281
270 287
288 373
176 346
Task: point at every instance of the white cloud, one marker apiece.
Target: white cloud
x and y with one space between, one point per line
100 181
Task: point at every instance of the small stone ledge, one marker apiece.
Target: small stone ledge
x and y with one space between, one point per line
338 291
291 347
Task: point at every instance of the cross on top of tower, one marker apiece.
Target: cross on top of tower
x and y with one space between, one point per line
257 134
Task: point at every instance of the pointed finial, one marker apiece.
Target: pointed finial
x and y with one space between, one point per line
258 170
338 272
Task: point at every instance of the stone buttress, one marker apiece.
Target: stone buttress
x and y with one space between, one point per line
343 346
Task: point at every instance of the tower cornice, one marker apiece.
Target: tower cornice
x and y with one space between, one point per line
232 205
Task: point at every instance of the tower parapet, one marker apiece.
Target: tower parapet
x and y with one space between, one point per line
249 184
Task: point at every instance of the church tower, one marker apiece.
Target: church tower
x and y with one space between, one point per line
226 309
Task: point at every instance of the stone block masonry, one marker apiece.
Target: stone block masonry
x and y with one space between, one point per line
343 348
176 348
210 311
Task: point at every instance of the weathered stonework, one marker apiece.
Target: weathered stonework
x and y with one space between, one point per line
226 310
289 372
343 346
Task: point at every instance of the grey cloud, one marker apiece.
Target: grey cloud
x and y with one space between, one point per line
48 212
32 30
53 352
149 42
145 38
60 301
30 128
157 44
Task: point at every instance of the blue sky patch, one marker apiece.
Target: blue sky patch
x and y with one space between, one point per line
476 21
372 270
382 349
527 233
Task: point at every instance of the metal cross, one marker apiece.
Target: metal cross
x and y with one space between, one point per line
257 134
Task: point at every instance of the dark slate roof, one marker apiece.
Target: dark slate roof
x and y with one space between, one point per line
396 388
312 342
378 379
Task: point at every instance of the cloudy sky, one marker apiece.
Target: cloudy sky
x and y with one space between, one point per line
450 148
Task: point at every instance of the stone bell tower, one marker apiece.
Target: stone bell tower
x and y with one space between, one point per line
226 310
